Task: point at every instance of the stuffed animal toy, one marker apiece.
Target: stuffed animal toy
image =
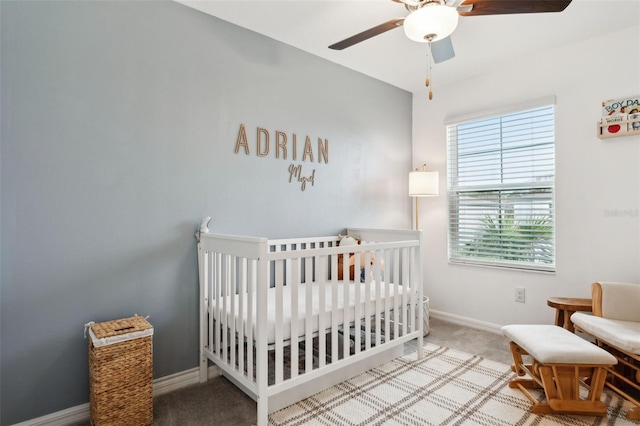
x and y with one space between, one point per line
364 258
346 241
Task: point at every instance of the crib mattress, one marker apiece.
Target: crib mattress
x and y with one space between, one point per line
379 295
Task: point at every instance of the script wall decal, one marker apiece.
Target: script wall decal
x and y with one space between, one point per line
283 147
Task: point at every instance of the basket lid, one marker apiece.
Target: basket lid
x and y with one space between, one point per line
120 330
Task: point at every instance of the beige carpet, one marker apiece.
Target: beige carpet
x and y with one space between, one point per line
447 387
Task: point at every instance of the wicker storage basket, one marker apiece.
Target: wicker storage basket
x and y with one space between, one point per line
121 372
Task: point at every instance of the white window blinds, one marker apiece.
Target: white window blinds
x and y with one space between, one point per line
500 184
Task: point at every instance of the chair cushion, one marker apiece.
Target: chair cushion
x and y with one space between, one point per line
623 335
620 301
550 344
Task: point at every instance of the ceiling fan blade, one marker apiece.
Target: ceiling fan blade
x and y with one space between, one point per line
442 50
454 3
367 34
505 7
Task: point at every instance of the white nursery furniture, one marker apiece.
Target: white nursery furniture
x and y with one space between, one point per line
280 324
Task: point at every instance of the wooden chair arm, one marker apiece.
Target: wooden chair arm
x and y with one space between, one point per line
596 299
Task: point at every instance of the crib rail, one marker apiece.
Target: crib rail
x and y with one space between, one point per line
274 313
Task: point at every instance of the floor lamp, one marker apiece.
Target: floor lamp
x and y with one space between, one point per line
422 183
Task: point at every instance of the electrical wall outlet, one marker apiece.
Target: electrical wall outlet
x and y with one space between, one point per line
519 294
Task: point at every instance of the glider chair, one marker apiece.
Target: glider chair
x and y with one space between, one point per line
615 326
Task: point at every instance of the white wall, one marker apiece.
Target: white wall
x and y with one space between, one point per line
592 177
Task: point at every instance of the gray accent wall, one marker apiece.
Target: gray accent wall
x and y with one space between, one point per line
119 123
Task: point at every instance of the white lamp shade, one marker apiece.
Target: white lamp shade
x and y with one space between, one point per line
436 20
423 184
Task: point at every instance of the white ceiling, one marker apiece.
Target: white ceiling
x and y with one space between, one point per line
480 42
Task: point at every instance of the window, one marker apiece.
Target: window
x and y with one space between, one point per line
500 185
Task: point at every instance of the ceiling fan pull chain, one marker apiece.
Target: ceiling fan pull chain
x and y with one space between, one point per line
427 81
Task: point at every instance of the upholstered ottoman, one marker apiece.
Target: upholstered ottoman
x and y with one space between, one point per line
560 363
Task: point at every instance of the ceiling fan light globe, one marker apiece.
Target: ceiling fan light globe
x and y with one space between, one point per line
431 23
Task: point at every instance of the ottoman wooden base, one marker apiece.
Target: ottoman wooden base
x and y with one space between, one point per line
560 362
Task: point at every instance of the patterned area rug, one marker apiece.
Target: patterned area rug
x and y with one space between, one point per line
447 387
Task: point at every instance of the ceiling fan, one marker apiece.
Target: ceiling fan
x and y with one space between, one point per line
433 21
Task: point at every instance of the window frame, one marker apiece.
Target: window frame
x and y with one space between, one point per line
499 189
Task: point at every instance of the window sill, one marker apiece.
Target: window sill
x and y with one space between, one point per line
549 270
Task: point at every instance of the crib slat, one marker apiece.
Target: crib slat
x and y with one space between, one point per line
379 294
295 286
321 266
218 295
207 315
405 294
279 322
417 295
367 308
287 281
251 297
410 297
346 321
388 297
242 294
225 306
308 338
334 308
232 309
396 291
357 312
210 285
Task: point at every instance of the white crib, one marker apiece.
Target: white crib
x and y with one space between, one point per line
262 320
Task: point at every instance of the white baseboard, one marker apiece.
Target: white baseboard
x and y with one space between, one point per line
161 386
66 417
465 321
